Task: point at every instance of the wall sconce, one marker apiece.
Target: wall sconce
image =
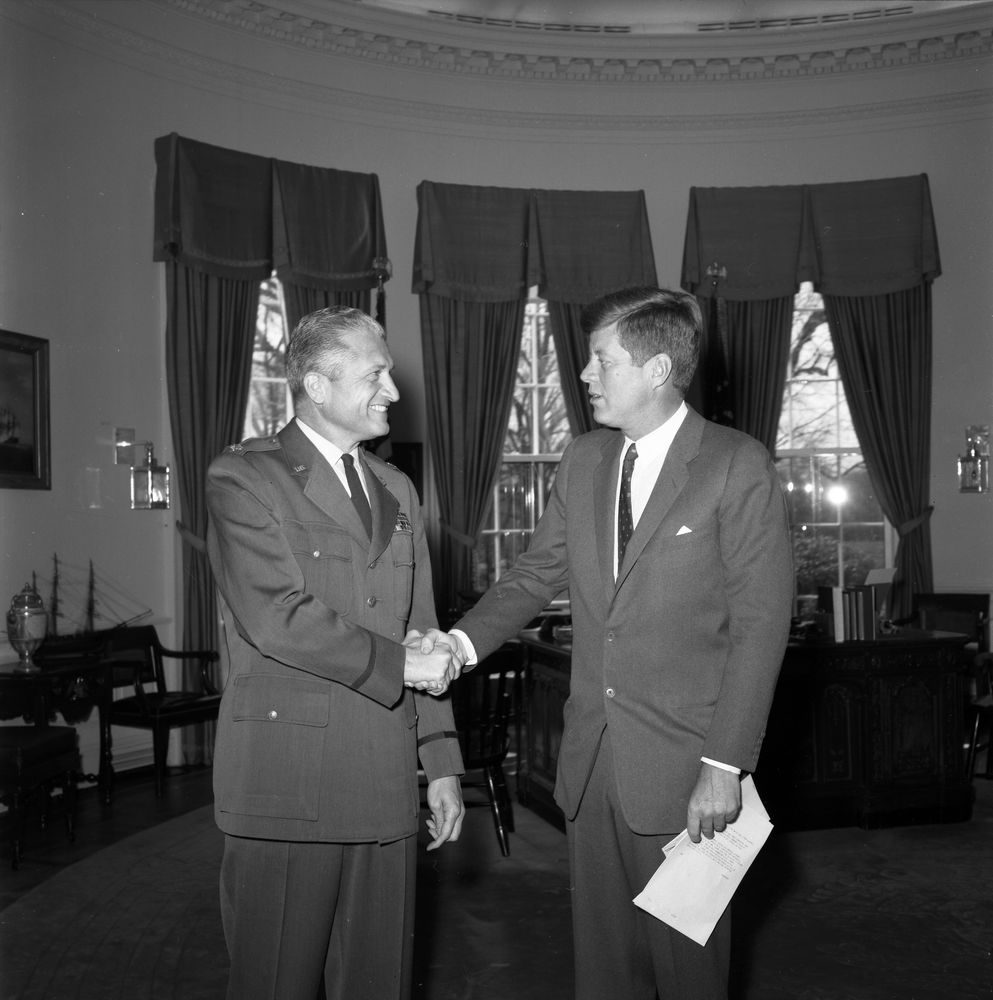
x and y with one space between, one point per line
123 446
974 465
149 482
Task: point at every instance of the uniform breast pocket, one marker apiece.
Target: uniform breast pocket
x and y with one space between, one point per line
402 550
324 555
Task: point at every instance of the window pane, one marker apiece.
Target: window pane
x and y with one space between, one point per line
554 422
516 495
837 525
862 549
816 557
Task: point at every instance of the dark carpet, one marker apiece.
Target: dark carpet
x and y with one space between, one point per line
841 914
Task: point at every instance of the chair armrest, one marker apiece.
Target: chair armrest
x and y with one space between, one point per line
205 656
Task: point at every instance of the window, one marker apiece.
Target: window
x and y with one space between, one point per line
269 402
537 434
838 529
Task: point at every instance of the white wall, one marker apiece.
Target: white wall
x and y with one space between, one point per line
85 88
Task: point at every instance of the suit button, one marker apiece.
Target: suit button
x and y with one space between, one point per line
609 692
273 714
371 602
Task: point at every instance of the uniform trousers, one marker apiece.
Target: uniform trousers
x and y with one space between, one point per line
621 951
297 913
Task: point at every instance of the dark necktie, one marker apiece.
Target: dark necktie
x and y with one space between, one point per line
358 494
625 519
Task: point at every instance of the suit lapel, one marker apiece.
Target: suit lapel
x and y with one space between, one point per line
320 483
384 510
604 493
671 480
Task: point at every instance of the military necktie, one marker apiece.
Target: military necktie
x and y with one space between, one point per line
359 498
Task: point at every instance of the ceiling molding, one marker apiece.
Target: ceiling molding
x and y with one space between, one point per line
437 47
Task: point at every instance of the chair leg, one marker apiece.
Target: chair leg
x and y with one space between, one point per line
160 750
69 805
970 759
497 815
503 797
17 828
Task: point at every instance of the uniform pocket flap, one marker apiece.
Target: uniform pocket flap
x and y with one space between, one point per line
278 698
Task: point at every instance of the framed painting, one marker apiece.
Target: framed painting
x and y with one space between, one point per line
25 462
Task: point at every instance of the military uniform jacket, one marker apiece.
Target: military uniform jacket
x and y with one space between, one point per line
679 655
317 738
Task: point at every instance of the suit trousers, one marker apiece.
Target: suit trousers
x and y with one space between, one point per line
294 913
621 951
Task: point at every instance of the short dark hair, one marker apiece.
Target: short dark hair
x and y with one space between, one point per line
316 344
652 321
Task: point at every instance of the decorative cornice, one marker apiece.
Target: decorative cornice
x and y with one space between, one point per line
437 48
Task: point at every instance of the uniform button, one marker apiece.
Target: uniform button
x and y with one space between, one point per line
609 692
317 553
372 565
610 637
371 602
273 714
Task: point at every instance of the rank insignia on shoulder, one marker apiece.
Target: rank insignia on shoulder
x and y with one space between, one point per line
236 448
299 468
403 522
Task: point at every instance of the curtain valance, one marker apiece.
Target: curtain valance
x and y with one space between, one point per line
237 215
852 238
487 244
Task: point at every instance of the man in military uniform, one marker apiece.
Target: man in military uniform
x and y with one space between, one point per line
319 554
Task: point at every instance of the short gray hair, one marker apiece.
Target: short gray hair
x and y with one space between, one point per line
316 344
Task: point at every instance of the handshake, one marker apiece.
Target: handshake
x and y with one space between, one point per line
434 660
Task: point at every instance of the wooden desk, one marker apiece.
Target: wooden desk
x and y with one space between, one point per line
868 733
70 689
860 733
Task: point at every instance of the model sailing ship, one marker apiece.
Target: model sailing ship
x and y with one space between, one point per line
94 624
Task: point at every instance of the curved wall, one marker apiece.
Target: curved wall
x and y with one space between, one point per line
88 86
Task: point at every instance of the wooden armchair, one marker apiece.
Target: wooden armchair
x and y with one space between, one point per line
137 656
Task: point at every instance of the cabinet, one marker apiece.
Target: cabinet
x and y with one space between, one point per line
860 733
868 733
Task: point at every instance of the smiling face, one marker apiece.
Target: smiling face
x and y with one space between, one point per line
624 394
354 405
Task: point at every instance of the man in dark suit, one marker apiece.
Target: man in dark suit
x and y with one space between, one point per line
319 554
676 556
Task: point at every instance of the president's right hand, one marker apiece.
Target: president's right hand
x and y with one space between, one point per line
432 671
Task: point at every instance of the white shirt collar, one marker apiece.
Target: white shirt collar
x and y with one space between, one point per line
654 446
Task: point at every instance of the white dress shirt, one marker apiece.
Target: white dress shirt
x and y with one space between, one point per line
333 455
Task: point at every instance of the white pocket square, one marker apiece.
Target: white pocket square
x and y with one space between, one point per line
684 530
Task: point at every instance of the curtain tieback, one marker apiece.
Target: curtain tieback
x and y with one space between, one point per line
912 525
467 540
194 541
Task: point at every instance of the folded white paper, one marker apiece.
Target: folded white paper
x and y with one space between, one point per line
693 886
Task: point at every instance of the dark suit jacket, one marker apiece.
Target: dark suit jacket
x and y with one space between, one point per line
317 738
680 656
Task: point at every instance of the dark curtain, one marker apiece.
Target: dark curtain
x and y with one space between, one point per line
871 245
300 300
223 221
210 330
478 251
591 243
883 347
572 350
470 363
743 362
